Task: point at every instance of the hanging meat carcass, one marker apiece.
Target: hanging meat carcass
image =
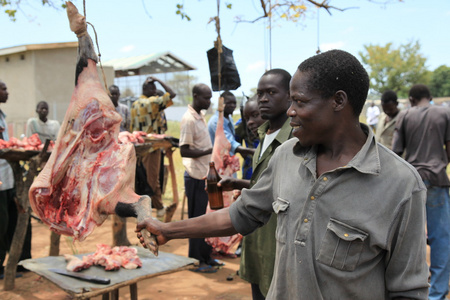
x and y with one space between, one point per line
89 174
226 165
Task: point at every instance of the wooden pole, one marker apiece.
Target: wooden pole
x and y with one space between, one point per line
120 231
172 208
23 204
54 244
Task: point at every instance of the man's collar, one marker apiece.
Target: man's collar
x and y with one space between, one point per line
366 161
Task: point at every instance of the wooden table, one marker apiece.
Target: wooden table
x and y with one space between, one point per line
36 160
152 266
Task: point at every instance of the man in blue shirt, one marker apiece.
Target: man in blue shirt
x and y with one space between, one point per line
229 101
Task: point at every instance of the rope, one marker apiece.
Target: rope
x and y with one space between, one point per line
98 49
218 45
99 58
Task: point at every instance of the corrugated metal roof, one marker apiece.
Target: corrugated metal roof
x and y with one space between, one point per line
23 48
162 62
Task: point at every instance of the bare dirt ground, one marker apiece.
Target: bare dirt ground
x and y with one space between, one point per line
182 285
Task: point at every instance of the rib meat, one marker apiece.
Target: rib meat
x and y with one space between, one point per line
89 174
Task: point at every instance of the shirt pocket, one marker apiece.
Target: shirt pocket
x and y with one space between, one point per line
341 246
280 207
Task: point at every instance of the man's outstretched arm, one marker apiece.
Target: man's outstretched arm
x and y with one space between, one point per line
213 224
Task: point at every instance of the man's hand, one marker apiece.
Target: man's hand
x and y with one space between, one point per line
154 227
227 183
230 183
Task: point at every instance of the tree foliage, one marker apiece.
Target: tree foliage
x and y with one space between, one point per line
440 82
11 7
182 84
289 10
393 68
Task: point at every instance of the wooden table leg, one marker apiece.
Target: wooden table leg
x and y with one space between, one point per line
105 296
133 291
171 209
115 295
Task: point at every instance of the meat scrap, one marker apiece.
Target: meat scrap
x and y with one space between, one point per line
31 143
110 258
89 174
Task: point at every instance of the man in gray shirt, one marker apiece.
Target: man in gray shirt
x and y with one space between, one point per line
423 132
345 230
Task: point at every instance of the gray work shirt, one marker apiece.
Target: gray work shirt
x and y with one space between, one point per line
356 232
423 132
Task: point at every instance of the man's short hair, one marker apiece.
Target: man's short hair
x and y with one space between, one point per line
147 83
419 91
41 102
197 89
336 70
389 96
113 86
286 77
227 94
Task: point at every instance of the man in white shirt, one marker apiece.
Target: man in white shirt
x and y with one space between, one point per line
372 114
45 128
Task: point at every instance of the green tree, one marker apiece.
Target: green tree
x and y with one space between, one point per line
393 68
440 82
182 84
289 10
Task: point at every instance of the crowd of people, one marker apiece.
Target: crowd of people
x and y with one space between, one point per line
342 210
330 208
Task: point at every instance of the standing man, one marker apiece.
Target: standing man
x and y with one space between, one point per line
259 247
372 114
122 109
386 124
120 224
8 208
345 230
196 149
45 128
146 116
229 101
423 132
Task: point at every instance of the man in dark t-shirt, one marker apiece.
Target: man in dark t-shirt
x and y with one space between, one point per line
423 132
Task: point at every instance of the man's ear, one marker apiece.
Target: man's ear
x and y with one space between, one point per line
340 100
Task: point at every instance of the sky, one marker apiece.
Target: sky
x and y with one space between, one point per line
137 27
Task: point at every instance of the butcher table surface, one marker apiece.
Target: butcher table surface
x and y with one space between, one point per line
151 266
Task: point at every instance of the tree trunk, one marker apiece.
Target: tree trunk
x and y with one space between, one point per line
120 231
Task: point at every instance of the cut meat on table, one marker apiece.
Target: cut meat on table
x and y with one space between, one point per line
89 174
110 258
31 143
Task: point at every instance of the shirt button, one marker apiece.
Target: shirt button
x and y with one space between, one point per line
325 179
312 197
303 244
346 234
305 220
306 158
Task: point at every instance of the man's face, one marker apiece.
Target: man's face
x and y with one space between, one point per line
230 105
312 116
273 99
203 98
253 117
3 92
390 109
149 90
115 95
42 111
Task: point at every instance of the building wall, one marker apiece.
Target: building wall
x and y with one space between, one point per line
37 75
